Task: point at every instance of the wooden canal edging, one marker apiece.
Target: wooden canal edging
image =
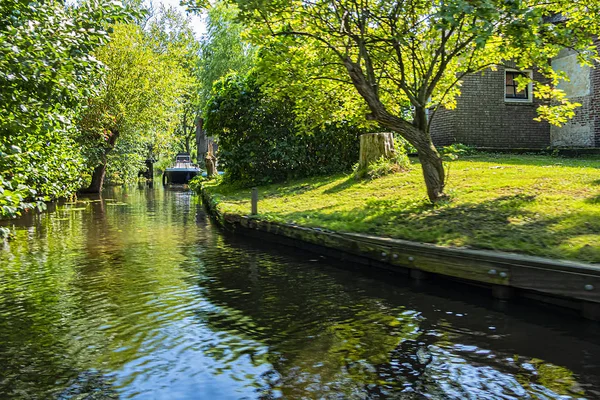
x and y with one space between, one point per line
568 284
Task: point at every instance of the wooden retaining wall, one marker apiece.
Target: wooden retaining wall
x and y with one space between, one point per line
568 284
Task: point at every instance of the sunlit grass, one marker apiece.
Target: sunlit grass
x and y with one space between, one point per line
537 205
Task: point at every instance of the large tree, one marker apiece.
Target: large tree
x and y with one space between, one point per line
172 34
406 58
139 101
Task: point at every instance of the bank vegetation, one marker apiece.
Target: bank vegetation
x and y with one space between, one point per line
537 205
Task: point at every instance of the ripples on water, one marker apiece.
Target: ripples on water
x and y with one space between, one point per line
139 296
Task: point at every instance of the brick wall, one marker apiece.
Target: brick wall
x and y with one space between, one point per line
442 127
483 118
595 99
579 130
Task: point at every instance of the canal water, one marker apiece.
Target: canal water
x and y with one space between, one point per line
137 295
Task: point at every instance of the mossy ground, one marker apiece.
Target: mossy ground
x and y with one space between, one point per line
537 205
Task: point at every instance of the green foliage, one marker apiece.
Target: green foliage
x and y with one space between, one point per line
382 167
312 47
537 205
127 159
398 62
196 183
321 96
259 141
46 72
407 148
73 79
138 104
14 201
454 151
223 49
171 33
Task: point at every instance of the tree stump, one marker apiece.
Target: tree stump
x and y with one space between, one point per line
373 146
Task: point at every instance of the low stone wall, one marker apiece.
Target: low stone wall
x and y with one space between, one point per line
568 284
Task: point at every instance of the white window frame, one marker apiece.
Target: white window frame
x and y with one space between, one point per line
529 98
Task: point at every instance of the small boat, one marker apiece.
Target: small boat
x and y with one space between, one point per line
182 172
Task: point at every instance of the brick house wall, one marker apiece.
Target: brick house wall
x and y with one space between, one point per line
442 127
595 106
582 87
483 118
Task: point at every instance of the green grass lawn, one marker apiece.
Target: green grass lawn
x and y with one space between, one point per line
538 205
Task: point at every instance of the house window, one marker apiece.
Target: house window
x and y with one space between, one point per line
512 92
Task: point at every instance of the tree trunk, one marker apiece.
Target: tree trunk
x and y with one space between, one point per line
431 161
97 179
201 142
100 170
433 172
373 146
211 163
416 134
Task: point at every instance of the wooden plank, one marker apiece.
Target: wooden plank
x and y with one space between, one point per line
560 283
566 279
463 268
485 255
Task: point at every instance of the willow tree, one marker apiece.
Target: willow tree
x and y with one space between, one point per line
171 32
406 58
138 102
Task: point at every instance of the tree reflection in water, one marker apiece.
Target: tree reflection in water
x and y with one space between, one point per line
137 295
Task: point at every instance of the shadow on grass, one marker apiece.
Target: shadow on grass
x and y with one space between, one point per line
302 186
504 223
275 190
345 184
593 200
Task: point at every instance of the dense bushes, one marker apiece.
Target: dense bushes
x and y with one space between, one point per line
259 141
46 73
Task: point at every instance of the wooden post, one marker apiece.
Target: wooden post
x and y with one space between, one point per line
254 201
150 165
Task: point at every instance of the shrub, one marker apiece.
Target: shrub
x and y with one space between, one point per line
260 143
46 76
454 151
399 141
196 183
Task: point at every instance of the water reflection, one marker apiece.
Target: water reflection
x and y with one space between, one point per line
137 295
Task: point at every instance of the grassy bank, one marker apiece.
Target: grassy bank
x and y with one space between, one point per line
537 205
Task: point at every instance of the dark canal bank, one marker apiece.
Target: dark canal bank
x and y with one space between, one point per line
139 296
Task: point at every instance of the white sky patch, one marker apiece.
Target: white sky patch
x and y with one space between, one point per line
197 21
198 24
